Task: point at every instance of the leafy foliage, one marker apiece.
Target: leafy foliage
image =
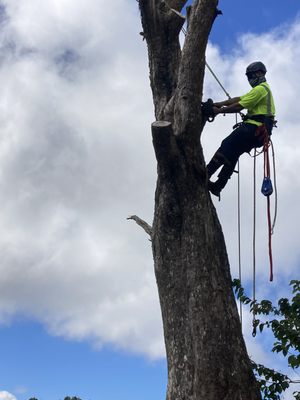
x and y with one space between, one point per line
72 398
285 325
272 383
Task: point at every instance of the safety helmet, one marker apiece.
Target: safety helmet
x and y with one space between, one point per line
256 66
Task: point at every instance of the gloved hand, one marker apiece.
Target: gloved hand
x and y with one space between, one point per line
208 110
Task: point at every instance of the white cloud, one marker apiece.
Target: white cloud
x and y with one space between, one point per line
76 159
6 396
71 173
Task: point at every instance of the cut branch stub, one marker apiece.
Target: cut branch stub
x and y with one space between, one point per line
162 134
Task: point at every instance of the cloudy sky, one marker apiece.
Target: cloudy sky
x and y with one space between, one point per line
79 312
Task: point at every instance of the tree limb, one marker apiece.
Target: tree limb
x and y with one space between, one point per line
187 113
201 18
161 28
143 224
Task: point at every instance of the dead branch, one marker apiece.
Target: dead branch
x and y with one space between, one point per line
143 224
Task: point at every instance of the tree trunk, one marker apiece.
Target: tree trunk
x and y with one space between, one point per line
206 354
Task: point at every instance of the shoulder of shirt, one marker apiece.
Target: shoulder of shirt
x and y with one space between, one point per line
265 85
260 89
262 86
253 90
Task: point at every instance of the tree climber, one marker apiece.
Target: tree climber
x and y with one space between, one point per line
248 134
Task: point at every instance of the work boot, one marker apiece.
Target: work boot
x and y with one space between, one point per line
216 187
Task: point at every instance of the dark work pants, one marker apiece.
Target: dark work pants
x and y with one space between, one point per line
241 140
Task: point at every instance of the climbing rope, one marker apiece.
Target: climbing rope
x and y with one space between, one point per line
239 230
254 248
267 186
267 144
217 79
275 187
239 238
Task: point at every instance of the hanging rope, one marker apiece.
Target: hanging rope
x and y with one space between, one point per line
275 188
267 181
239 239
254 324
239 230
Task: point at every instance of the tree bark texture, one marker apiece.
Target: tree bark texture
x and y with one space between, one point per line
206 353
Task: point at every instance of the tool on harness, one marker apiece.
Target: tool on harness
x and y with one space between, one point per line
208 110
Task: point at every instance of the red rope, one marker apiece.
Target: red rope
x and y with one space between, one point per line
270 240
267 175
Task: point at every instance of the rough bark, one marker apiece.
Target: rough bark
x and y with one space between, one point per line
206 354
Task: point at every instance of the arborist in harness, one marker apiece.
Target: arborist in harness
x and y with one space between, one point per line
251 133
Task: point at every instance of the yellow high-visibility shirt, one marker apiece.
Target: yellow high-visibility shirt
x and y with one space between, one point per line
256 102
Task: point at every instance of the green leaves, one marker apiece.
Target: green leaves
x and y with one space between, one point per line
294 361
271 383
285 325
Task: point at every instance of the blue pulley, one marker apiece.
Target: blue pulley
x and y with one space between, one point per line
267 187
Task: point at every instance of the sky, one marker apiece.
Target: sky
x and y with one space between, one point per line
79 311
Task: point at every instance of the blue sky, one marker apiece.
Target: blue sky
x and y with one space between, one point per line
54 368
79 312
240 17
